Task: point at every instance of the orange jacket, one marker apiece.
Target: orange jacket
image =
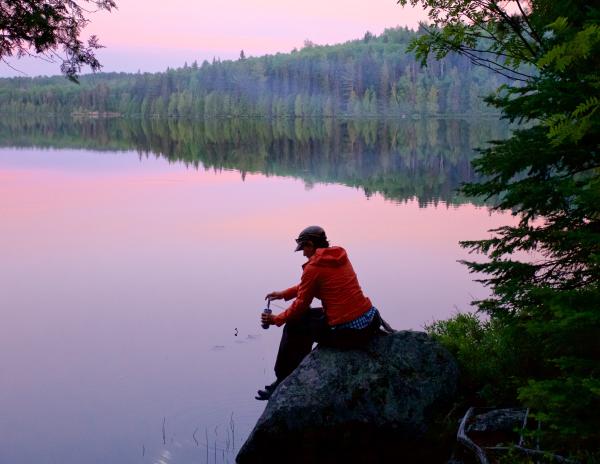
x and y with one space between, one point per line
328 276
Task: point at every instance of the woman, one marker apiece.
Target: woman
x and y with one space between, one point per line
346 320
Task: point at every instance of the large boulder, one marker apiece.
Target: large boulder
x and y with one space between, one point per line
375 404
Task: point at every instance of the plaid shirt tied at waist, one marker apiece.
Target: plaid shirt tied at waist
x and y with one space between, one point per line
360 322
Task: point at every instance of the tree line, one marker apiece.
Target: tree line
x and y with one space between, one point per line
372 76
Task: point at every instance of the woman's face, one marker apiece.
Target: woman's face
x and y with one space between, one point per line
308 249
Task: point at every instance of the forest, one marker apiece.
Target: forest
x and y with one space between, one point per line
368 77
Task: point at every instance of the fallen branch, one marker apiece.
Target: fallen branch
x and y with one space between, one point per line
462 437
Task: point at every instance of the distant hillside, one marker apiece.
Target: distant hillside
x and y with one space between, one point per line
373 76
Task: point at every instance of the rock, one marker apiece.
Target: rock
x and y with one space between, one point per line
375 404
497 420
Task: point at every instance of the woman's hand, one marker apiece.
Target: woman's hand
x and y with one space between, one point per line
274 296
268 319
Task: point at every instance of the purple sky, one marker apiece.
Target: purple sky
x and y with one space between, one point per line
150 35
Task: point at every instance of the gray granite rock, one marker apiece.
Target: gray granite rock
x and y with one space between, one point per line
370 405
497 420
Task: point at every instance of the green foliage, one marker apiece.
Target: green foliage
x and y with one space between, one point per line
572 50
567 394
42 28
543 270
486 354
351 79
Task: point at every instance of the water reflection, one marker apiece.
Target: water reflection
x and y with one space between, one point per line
123 282
403 160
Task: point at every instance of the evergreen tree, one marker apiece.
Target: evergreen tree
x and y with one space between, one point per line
544 271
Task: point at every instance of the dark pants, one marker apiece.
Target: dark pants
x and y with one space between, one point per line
299 335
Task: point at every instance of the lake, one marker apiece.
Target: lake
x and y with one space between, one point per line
135 257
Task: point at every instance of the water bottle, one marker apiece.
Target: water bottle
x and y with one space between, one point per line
267 310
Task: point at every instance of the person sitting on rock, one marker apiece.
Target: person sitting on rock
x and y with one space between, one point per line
346 320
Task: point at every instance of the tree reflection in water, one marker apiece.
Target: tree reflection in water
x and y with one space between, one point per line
425 159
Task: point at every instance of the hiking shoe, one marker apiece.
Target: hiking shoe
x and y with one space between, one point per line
271 388
263 395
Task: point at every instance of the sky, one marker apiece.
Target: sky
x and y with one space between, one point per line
151 35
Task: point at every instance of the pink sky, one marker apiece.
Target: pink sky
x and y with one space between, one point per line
150 35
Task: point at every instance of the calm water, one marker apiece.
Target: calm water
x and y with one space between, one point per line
135 257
